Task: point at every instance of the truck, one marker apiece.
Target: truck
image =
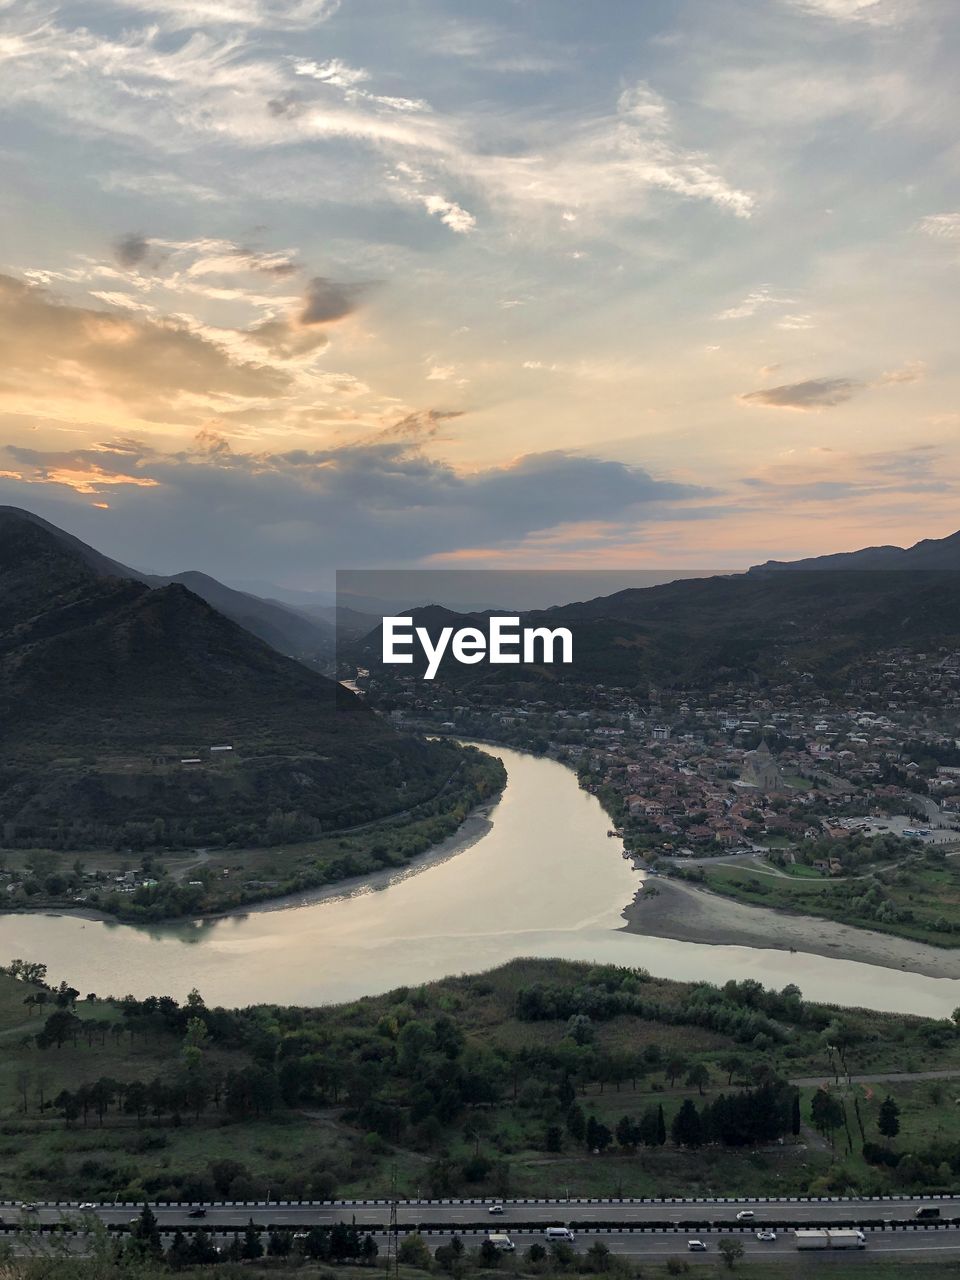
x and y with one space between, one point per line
829 1238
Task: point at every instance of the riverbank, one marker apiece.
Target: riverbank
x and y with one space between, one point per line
212 884
473 828
688 914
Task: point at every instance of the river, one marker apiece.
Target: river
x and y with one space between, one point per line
540 878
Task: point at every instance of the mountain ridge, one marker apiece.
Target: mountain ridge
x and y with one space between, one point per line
107 685
283 627
928 553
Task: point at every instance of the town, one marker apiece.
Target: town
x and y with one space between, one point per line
772 767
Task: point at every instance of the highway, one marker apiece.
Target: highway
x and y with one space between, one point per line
658 1246
458 1214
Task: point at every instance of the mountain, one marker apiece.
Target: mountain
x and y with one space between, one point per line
930 553
108 685
284 628
702 633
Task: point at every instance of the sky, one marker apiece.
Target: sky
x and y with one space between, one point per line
294 285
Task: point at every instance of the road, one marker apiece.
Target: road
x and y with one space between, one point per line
411 1214
910 1245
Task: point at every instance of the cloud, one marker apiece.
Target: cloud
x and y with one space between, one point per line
361 503
329 300
52 347
131 249
251 14
915 371
873 12
941 226
816 393
449 213
215 92
821 474
753 302
300 333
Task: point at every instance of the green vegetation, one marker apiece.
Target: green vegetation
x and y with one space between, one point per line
161 885
446 1260
114 699
909 891
541 1078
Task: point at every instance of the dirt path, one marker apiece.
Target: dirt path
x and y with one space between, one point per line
883 1077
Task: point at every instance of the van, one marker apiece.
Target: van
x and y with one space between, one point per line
927 1211
559 1233
502 1242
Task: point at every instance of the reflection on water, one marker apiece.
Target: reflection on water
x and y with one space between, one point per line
543 880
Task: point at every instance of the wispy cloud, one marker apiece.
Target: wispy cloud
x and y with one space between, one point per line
815 393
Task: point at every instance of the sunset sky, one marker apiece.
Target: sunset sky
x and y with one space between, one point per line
498 283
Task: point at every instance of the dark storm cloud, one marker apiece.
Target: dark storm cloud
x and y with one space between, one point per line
131 249
816 393
383 502
329 300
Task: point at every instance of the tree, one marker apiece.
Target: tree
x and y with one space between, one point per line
179 1256
370 1249
489 1254
795 1114
598 1256
279 1244
223 1173
576 1123
731 1250
202 1250
687 1129
413 1251
888 1120
826 1113
317 1243
252 1248
731 1064
675 1067
661 1126
698 1075
145 1239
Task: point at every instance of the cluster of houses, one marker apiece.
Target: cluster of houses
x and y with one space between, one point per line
731 764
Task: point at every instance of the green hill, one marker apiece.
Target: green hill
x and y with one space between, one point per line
107 686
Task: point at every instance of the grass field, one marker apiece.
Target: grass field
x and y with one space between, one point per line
924 900
313 1150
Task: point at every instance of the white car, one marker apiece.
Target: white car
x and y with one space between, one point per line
88 1204
697 1246
495 1208
746 1215
767 1236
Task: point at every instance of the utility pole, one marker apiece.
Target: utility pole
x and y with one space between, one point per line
393 1231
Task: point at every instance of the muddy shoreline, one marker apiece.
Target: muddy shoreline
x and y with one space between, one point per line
688 914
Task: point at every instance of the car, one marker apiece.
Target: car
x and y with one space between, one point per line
559 1233
197 1213
27 1206
88 1204
767 1236
697 1246
495 1208
746 1215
